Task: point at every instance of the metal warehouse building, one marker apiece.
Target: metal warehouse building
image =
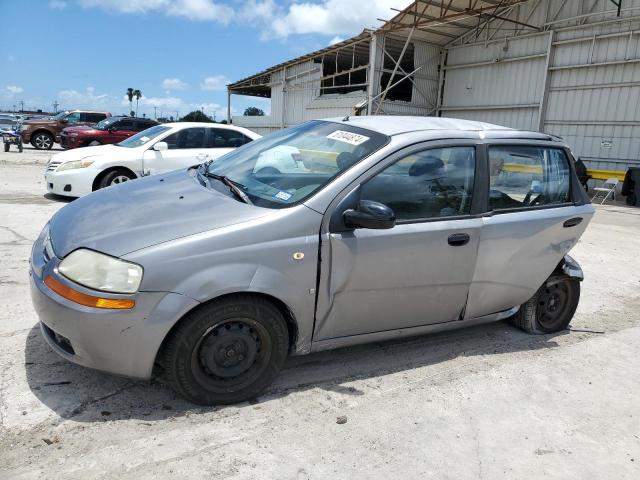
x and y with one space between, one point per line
565 67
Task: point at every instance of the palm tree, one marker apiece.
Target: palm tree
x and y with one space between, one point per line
130 96
138 95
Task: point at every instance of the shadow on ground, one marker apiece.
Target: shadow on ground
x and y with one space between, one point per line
58 198
85 395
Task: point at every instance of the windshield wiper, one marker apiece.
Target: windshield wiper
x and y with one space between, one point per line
235 187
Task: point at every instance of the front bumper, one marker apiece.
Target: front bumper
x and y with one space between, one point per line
70 183
26 137
70 142
122 342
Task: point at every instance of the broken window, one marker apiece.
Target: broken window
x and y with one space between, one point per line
404 89
345 70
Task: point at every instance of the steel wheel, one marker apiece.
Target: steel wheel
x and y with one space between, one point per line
553 305
232 353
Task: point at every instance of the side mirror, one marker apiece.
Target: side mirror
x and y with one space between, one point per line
161 146
370 214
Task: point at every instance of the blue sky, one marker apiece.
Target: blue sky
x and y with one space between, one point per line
180 53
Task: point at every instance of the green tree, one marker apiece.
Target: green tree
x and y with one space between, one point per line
196 116
253 112
130 96
138 95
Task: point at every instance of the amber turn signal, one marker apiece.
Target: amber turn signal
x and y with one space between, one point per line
87 300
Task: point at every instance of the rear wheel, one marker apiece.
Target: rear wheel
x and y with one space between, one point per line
227 351
551 308
42 141
115 177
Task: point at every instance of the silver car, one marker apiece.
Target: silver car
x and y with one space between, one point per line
375 228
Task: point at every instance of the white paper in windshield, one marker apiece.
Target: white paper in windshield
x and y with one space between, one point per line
144 139
348 137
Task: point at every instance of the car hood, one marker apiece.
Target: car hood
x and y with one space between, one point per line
121 219
111 151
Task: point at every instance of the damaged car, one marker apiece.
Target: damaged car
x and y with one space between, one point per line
381 227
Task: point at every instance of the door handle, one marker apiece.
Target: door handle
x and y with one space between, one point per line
572 222
458 239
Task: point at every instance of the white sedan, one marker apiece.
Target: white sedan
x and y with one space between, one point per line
158 149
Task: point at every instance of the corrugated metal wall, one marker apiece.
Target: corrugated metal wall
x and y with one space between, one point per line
592 74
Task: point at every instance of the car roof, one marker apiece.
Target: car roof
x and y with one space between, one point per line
397 125
115 117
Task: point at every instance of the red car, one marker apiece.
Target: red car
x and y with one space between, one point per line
109 130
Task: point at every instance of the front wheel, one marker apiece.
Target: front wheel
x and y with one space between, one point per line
227 351
115 177
42 141
551 308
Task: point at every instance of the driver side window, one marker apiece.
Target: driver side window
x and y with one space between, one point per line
73 117
428 184
522 176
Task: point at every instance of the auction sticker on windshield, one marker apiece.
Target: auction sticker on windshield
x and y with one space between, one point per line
348 137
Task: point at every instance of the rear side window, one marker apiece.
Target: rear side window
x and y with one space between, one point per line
187 138
424 185
93 117
522 177
225 138
125 125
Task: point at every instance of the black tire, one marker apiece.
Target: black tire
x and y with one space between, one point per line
226 351
115 177
42 140
551 308
20 148
6 147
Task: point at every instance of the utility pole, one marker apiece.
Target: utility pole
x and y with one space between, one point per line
155 113
55 106
21 103
214 115
176 115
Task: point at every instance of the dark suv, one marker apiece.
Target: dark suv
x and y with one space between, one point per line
41 133
109 130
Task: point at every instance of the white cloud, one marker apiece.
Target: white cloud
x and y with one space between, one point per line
336 39
10 91
57 4
215 82
86 99
327 17
173 84
202 10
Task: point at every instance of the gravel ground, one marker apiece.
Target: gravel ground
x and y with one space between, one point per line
485 402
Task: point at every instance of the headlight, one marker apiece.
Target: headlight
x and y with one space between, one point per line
75 164
101 272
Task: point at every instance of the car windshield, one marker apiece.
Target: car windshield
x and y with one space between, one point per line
106 123
143 137
287 167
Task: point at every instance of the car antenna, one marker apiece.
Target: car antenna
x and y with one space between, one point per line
346 119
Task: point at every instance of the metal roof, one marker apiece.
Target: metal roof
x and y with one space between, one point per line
437 22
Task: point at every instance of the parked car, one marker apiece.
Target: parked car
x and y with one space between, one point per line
208 277
158 149
42 133
110 130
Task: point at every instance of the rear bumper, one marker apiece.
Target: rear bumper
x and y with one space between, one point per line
122 342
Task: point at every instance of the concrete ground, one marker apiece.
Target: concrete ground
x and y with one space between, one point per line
486 402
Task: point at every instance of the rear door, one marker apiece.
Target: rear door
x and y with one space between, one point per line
536 215
417 273
186 148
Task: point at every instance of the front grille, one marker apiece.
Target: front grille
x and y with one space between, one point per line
63 342
51 166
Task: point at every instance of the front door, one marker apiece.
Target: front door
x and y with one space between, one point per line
416 273
186 148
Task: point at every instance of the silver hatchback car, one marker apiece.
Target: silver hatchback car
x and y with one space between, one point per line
325 235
